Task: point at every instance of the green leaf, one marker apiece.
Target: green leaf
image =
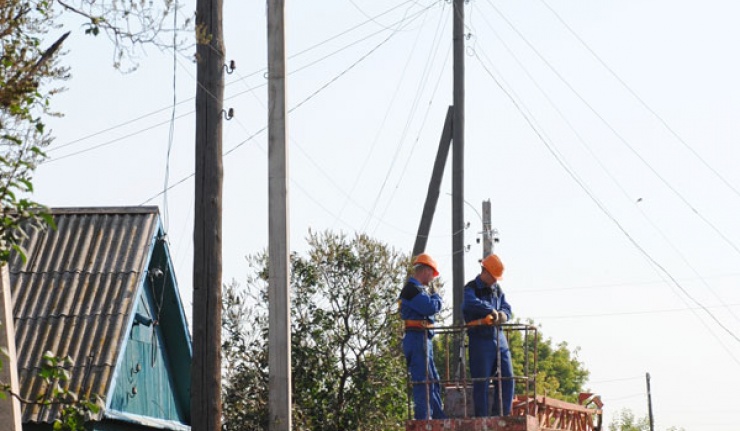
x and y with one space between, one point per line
28 185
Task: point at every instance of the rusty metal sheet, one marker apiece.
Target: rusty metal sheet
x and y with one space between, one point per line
509 423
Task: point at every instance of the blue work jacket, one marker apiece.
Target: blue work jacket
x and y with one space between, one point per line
417 304
479 301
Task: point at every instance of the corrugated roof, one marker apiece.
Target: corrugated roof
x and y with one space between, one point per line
74 295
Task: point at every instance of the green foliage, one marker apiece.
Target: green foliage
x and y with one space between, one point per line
75 411
129 24
348 369
625 420
559 372
26 67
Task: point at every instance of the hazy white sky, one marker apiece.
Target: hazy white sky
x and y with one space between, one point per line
618 225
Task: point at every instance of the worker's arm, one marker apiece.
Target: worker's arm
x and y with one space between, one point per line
504 306
474 306
425 304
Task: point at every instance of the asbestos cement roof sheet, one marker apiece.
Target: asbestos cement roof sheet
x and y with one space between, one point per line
75 293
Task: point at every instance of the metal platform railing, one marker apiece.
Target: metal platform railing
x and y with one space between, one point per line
451 359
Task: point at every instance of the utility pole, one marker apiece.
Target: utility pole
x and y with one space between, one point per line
430 205
10 407
650 401
205 396
279 263
458 162
487 232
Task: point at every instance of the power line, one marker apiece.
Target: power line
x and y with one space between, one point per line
376 138
113 141
171 136
298 105
256 72
404 169
601 206
632 313
634 94
599 162
619 379
621 285
414 106
617 134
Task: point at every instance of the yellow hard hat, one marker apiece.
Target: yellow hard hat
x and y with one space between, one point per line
425 259
493 265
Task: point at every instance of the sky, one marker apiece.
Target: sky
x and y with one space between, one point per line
604 134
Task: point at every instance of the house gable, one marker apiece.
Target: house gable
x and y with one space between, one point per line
79 293
153 375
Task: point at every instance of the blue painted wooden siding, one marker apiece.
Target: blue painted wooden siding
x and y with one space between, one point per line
144 386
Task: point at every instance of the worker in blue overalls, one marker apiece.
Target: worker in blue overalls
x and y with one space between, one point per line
418 307
484 309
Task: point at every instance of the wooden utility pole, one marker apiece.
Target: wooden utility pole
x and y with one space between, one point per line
458 162
650 401
430 205
205 396
279 272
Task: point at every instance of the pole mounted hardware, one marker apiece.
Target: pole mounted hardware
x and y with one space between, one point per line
229 68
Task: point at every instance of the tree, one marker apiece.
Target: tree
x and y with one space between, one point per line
25 68
625 420
31 74
559 372
348 369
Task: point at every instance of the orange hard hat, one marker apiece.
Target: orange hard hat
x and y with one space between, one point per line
493 265
425 259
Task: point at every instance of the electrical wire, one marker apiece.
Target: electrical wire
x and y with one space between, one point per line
171 135
630 313
113 141
422 85
414 106
601 165
685 201
642 102
254 73
618 379
603 209
298 105
613 285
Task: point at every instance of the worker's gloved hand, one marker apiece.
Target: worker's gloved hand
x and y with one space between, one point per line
492 318
502 317
432 290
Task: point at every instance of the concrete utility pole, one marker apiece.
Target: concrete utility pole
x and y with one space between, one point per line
487 232
458 162
205 398
10 408
279 251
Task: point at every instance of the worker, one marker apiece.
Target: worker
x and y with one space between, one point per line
418 307
484 309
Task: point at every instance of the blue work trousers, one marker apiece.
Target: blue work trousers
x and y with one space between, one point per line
483 364
417 347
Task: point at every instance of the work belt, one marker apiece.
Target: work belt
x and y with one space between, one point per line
418 324
485 321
